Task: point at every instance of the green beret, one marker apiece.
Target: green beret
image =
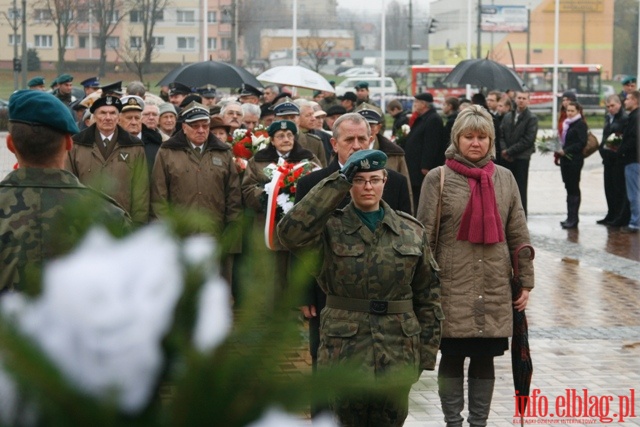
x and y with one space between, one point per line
35 107
64 78
362 85
282 125
36 81
367 160
628 79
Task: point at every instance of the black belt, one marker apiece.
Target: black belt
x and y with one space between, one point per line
372 306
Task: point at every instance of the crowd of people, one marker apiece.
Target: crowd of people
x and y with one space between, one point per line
389 290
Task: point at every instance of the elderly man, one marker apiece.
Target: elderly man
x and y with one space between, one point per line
232 115
40 200
151 116
167 120
195 170
289 110
106 157
132 120
251 116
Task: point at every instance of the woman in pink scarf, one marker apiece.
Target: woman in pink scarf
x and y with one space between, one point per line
478 226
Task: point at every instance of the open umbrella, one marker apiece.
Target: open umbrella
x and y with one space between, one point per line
216 73
521 364
295 75
485 73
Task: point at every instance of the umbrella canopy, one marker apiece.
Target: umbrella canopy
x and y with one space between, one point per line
485 73
216 73
295 75
521 364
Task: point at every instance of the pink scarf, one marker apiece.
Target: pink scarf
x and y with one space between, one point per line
481 222
565 127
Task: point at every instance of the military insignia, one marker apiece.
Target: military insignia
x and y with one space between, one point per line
283 125
109 100
364 164
124 156
132 101
216 161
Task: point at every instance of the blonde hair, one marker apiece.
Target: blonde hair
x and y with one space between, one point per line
473 118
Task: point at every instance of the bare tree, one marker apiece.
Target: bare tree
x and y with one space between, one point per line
108 14
59 13
397 26
315 51
148 12
132 54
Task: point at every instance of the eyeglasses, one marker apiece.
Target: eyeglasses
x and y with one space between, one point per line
361 182
198 126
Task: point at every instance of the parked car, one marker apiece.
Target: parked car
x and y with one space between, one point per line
359 71
375 88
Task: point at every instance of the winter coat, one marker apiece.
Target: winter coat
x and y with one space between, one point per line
152 140
425 146
123 175
615 124
574 143
518 138
475 278
395 159
628 150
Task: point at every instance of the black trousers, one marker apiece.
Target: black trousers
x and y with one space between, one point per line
571 176
614 187
520 170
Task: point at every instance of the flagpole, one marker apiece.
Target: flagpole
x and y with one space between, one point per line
383 45
554 100
295 33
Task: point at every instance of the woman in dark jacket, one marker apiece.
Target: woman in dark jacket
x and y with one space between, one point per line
573 138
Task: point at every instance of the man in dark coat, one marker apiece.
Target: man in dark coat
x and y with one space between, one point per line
424 148
628 156
351 133
131 121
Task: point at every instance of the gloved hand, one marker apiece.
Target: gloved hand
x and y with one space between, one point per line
363 161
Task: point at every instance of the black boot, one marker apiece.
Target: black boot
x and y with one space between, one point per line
573 207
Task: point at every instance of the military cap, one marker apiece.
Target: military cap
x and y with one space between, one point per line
367 160
628 79
64 78
106 101
194 112
36 107
336 110
36 81
370 115
286 108
177 88
189 99
77 105
282 125
266 111
217 122
425 96
207 91
167 107
132 103
248 90
349 96
281 95
362 85
113 89
91 82
214 109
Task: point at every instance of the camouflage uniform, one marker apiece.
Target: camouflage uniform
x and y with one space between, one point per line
392 264
39 220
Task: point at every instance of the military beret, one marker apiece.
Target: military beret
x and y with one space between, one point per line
177 88
168 107
336 110
36 81
132 103
248 90
207 91
425 96
628 79
332 83
282 125
36 107
194 112
571 96
91 82
367 160
64 78
106 101
113 88
217 122
189 99
316 93
349 96
286 108
362 85
54 83
370 115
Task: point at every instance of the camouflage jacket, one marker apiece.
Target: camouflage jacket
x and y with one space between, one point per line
392 264
41 216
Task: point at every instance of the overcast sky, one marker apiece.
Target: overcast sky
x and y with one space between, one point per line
375 6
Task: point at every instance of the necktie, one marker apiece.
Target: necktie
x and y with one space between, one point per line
105 141
198 151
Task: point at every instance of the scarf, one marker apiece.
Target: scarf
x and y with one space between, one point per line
370 219
481 222
565 127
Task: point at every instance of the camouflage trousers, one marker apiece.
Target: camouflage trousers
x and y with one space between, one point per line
376 411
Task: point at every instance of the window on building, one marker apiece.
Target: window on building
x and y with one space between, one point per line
70 42
43 41
186 16
14 14
226 15
66 16
158 42
41 15
115 16
186 43
135 42
83 42
159 15
17 40
225 43
212 16
113 42
212 43
136 16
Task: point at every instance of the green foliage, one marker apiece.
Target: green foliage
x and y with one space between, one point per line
625 37
33 60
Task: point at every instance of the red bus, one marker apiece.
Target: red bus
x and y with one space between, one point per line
583 79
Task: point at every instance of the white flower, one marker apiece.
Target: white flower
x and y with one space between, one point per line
405 129
239 133
284 202
275 417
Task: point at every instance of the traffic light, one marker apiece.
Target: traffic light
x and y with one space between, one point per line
432 26
17 64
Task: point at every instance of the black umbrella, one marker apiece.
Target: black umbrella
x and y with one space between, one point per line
216 73
521 364
485 73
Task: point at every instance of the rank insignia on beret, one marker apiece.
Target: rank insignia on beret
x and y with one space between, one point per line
108 100
283 125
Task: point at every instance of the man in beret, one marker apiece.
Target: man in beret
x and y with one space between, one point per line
193 169
91 85
348 101
40 201
65 87
287 109
249 94
37 83
106 157
177 93
167 120
383 308
425 145
629 84
131 120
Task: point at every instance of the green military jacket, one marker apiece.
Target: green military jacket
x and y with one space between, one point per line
392 264
41 218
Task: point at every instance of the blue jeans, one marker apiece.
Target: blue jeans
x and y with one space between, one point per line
632 178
